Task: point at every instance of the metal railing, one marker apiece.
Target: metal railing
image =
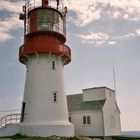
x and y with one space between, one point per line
31 4
10 119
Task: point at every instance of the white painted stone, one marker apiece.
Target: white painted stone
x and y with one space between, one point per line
9 130
43 116
45 130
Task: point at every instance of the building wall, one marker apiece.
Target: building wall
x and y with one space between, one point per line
93 129
111 115
93 94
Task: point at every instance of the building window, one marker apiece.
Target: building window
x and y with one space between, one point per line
54 96
53 65
86 120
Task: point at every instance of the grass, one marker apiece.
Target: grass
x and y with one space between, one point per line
20 137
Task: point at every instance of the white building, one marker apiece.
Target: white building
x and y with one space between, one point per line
95 112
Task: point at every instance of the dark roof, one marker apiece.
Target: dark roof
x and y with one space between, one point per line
76 103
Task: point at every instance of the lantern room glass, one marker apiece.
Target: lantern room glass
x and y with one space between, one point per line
51 20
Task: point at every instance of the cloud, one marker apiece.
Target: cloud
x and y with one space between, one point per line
126 16
11 21
96 36
124 37
7 25
5 36
112 42
88 11
110 20
123 4
89 16
138 32
100 38
116 14
14 7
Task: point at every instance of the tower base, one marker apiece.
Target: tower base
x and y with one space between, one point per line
45 130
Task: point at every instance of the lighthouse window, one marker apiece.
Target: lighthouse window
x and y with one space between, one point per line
53 65
54 96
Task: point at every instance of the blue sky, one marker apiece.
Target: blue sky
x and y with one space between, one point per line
100 33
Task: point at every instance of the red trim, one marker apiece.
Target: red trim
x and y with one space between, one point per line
47 33
33 21
44 44
33 25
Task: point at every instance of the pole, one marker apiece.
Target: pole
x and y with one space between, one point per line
114 78
57 3
114 81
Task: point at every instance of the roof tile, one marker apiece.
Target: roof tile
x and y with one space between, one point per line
76 103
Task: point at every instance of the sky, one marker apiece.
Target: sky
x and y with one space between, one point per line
102 34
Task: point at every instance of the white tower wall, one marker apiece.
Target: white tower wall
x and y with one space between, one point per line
43 116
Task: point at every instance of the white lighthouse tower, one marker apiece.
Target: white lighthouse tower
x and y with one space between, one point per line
44 107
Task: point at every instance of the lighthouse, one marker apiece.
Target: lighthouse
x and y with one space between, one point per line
44 53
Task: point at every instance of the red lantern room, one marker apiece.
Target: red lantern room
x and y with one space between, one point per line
44 30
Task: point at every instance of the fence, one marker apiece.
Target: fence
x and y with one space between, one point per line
10 119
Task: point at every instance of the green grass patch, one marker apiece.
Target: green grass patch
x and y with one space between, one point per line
20 137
